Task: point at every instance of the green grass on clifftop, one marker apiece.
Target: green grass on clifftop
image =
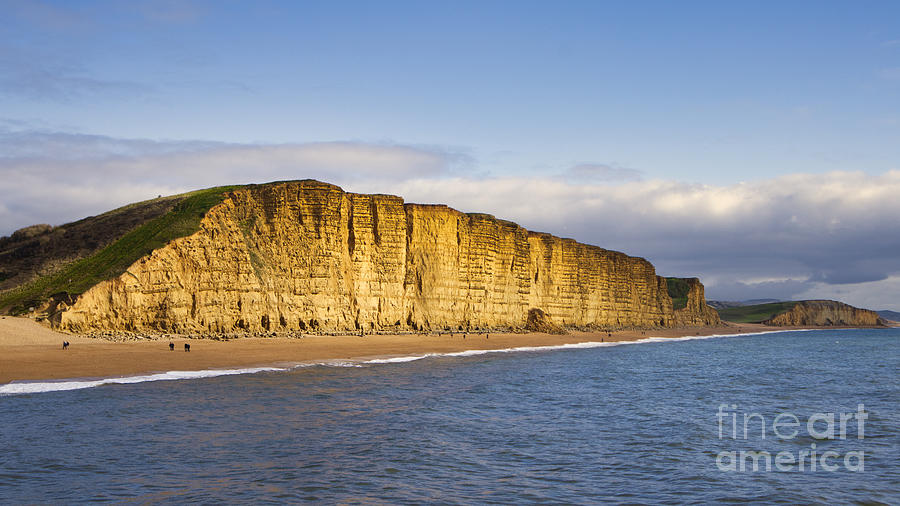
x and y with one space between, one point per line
756 313
76 278
678 290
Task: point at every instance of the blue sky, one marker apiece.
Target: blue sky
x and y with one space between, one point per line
443 100
703 91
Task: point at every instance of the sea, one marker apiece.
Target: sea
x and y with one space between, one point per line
659 421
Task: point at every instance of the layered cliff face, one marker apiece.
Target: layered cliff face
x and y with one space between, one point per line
826 313
696 312
309 256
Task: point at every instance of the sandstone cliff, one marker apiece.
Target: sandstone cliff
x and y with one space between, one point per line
308 256
826 313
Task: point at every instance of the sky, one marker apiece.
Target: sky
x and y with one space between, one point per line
752 144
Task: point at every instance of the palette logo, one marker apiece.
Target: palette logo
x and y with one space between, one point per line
827 428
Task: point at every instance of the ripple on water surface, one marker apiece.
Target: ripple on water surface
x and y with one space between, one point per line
621 423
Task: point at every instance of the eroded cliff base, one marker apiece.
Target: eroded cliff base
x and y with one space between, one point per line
826 313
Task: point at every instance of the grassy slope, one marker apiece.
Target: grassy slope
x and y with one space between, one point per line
27 257
755 313
678 290
181 221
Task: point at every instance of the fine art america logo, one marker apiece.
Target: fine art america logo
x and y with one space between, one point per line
785 428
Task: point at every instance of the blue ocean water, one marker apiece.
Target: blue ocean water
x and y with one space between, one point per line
632 423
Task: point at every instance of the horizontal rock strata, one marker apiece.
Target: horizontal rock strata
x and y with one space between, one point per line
308 256
826 313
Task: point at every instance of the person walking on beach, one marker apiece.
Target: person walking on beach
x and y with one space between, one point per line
171 346
65 345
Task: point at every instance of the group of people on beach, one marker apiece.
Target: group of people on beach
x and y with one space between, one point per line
187 347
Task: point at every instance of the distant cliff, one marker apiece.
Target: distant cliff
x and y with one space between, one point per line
308 256
826 313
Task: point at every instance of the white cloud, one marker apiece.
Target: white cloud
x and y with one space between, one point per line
57 177
785 236
809 235
32 75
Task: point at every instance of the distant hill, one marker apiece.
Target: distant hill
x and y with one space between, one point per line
754 302
722 304
889 315
756 313
725 304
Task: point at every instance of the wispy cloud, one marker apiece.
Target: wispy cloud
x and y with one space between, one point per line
35 76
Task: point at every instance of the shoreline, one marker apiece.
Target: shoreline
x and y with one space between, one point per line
31 352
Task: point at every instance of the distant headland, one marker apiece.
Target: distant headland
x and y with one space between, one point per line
804 313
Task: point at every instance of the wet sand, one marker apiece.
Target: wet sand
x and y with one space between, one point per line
30 351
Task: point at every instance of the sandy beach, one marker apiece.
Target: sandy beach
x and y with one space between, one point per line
30 351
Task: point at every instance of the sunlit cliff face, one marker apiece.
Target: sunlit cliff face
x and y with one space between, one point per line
309 256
